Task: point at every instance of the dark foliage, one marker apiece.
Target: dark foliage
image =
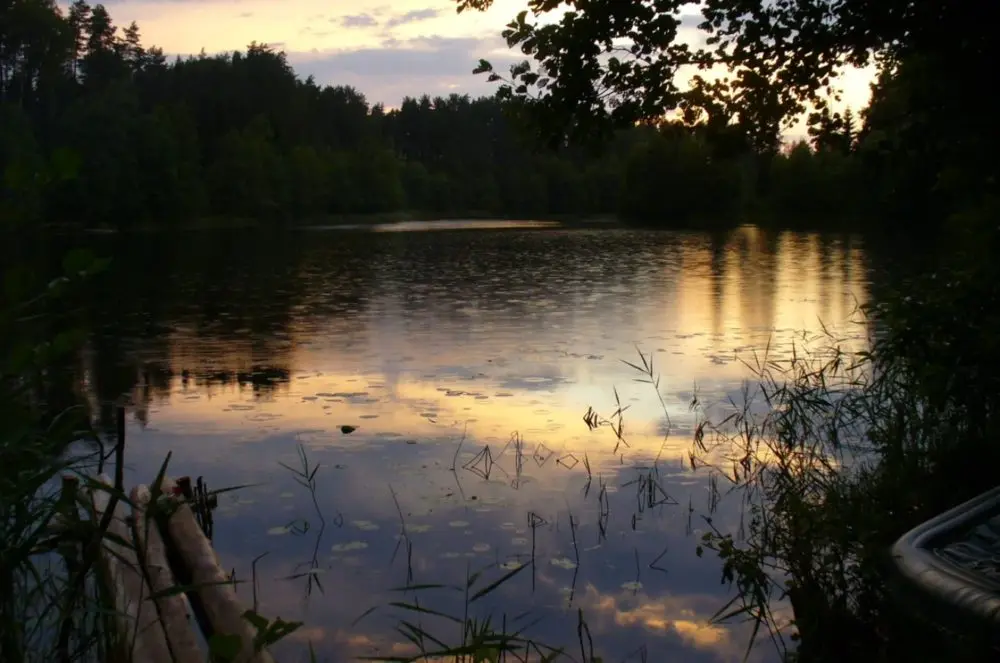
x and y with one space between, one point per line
239 136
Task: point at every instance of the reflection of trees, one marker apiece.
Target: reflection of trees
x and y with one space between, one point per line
339 270
749 277
892 263
717 250
194 310
520 277
222 309
758 276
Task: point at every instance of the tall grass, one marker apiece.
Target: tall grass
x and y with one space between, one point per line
46 550
55 603
838 452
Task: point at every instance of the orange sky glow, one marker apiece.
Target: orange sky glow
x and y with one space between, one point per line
387 49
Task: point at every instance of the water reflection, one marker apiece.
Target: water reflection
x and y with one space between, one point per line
439 347
459 224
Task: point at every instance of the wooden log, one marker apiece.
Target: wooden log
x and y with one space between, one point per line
214 591
138 623
174 609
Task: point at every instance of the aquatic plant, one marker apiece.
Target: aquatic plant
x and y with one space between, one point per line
55 602
835 454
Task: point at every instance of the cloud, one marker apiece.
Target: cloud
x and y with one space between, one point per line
413 16
357 21
690 20
432 65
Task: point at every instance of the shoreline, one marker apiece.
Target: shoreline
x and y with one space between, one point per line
345 222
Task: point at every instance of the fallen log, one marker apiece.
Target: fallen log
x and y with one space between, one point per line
171 604
212 587
139 630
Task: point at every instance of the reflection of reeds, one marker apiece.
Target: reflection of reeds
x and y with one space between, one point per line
655 564
479 638
481 464
534 521
485 460
635 587
458 449
572 530
604 510
640 655
583 635
305 476
518 457
713 492
652 378
576 556
404 539
649 493
616 422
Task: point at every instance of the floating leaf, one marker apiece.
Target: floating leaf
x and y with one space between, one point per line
416 529
563 563
353 545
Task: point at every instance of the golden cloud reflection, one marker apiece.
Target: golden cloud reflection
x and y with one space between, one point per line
687 618
414 410
663 616
663 621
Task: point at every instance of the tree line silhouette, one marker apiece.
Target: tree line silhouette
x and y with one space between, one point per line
98 129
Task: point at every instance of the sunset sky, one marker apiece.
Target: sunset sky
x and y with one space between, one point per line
387 49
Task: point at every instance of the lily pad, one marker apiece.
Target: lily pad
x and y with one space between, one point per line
417 529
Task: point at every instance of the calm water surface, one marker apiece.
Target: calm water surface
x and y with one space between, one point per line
441 347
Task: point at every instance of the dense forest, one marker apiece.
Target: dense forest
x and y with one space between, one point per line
98 129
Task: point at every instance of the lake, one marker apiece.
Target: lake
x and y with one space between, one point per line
465 359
